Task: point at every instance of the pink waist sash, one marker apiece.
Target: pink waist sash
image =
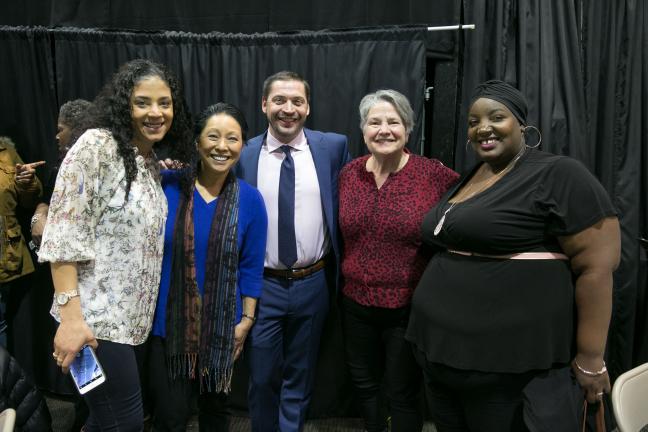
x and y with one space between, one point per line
518 256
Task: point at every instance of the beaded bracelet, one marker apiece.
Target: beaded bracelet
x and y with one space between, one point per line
590 373
250 317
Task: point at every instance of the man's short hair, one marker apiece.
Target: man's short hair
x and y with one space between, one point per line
284 76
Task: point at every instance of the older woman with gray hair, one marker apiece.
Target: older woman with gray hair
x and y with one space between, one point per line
383 198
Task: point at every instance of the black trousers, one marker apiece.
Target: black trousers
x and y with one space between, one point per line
116 405
173 400
474 401
377 354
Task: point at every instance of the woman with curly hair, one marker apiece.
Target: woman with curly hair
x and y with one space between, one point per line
105 232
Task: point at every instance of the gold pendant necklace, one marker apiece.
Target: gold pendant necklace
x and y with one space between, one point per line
488 184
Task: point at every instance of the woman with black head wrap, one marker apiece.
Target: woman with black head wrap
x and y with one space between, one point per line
522 284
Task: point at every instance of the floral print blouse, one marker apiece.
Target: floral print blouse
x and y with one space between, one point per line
116 244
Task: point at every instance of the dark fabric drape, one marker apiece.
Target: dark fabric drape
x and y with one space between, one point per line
29 106
245 16
616 72
533 45
340 66
28 116
582 66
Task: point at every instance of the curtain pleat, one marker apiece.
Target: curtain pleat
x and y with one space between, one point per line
582 66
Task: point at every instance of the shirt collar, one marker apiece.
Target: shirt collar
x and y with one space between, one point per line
298 143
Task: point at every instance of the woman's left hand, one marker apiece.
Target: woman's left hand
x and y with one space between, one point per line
593 386
241 331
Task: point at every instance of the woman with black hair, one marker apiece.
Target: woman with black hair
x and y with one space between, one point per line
105 229
520 291
212 273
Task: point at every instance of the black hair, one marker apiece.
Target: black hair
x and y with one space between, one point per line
199 125
72 112
111 110
220 108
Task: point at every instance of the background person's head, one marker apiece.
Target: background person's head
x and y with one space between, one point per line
70 122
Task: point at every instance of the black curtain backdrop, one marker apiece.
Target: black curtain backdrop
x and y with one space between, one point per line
242 16
27 91
582 66
340 66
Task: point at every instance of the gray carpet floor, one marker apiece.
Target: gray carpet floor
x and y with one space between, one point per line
62 416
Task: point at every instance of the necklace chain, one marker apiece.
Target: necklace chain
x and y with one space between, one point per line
488 184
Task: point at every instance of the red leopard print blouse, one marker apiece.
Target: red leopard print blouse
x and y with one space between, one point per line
383 255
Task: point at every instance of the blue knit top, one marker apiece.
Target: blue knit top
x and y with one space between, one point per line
252 234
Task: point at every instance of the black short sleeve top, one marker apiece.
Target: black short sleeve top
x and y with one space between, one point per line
505 315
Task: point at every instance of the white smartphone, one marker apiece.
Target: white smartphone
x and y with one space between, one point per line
86 371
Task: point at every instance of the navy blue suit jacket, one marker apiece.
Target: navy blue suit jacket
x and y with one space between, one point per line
330 153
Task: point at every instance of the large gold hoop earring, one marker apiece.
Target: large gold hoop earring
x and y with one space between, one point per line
539 136
467 145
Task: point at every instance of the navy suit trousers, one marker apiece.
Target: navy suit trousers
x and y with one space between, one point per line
282 351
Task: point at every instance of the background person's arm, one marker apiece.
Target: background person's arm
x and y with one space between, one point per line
38 222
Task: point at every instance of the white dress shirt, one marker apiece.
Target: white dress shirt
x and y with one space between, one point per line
310 230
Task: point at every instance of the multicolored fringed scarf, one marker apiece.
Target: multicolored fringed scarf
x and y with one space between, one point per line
200 331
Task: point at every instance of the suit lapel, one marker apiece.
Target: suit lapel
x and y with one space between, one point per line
250 163
323 170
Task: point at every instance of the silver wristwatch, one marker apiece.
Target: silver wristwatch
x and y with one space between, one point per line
63 298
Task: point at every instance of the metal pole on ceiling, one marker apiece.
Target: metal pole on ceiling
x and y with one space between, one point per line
453 27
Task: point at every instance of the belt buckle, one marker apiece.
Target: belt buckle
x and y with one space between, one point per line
290 274
295 274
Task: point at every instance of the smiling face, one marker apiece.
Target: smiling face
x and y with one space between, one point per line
220 144
286 108
494 132
384 132
151 112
